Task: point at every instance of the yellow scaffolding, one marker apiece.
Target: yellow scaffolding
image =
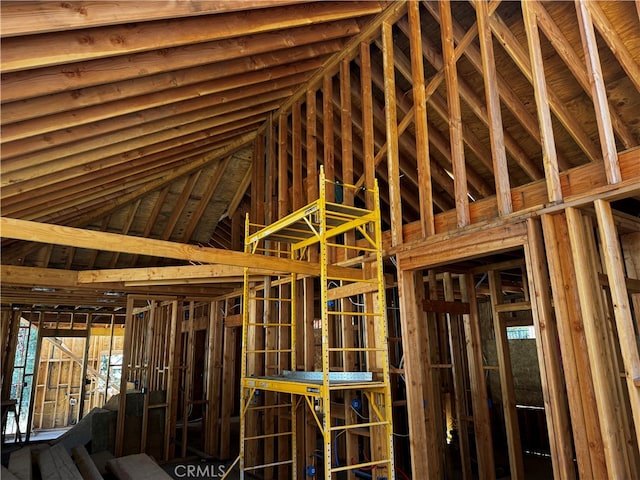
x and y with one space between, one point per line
273 389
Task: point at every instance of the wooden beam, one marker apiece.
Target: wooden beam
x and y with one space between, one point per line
205 197
157 123
615 43
77 187
598 92
566 51
56 234
496 129
598 345
550 160
391 122
513 47
328 134
61 126
514 445
54 79
481 421
441 251
19 19
455 116
367 122
511 100
412 332
141 90
38 277
283 165
420 120
165 273
62 47
622 309
180 204
312 145
391 13
296 148
113 202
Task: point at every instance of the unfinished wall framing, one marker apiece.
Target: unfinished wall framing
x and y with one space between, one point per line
505 141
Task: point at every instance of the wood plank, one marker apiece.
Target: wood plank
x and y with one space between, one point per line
420 120
522 60
172 367
148 186
432 347
367 123
126 359
599 92
459 374
19 19
60 235
442 306
188 117
228 390
455 116
312 146
482 427
447 249
206 196
283 166
100 71
586 434
72 46
597 344
513 307
410 318
139 90
496 131
549 156
566 51
296 153
511 100
391 13
391 123
622 309
350 289
505 370
615 43
328 135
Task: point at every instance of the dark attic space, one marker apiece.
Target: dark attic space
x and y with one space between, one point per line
304 239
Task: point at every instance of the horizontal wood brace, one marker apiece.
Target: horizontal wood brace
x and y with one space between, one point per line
269 324
270 351
351 289
354 314
442 306
357 349
513 307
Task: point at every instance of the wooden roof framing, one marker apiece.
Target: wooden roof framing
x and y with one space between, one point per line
148 120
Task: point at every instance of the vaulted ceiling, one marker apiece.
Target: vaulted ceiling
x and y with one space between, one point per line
140 118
